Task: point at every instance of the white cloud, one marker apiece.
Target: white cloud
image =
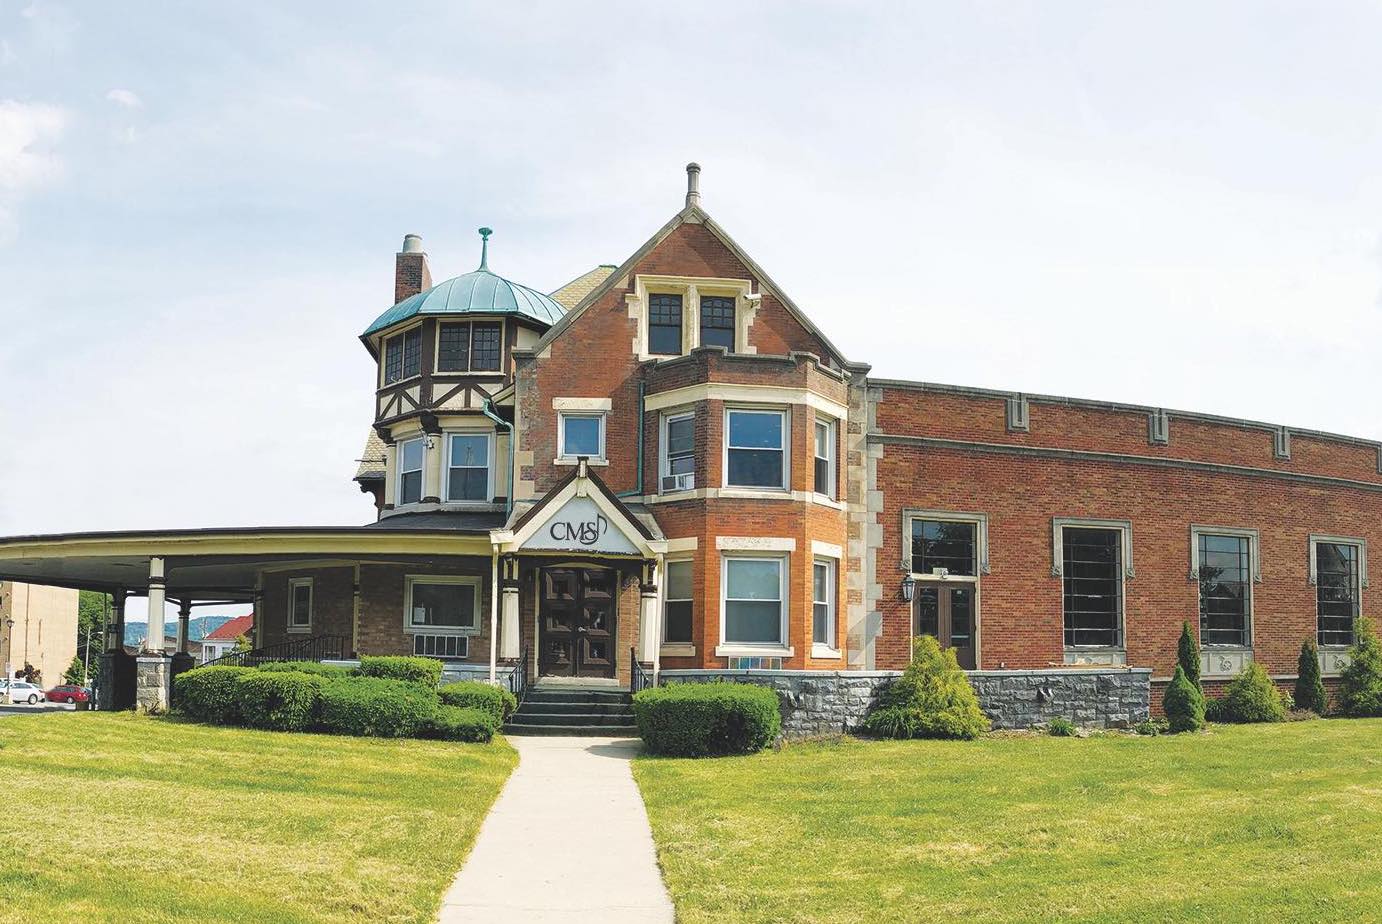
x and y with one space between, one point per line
28 135
127 98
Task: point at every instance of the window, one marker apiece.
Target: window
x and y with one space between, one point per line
753 595
299 605
582 435
823 602
403 356
664 325
825 457
467 467
755 456
943 544
469 347
678 452
410 453
1225 569
717 321
677 612
1092 570
1337 593
441 604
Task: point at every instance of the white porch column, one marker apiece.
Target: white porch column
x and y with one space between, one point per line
649 614
153 641
152 677
509 644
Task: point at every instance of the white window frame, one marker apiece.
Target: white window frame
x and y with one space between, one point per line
421 470
679 649
785 413
562 416
756 649
1254 566
828 647
293 585
1124 527
462 579
832 442
664 463
489 466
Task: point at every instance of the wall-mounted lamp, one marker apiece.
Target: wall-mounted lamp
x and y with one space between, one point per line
909 588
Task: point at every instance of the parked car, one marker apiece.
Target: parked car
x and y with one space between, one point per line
21 691
68 693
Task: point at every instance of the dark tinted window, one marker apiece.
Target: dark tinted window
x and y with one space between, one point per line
937 544
717 321
1093 586
664 325
453 348
484 347
1225 588
1336 591
412 352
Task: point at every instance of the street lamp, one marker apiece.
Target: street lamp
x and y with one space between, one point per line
9 652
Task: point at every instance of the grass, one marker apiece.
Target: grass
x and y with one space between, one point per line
1243 823
118 818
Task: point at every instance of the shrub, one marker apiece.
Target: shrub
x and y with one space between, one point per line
330 671
932 699
1188 654
1061 727
1150 727
1184 704
1252 697
1360 682
1214 709
209 694
376 707
455 723
1309 686
426 671
474 694
279 700
701 719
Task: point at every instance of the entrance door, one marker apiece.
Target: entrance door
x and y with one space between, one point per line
578 616
947 612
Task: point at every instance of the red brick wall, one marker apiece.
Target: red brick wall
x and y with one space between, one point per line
332 604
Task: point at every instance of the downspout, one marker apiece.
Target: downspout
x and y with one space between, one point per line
488 410
642 401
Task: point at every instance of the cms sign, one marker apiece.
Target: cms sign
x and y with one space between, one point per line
581 532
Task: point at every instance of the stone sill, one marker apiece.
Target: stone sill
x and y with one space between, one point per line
677 650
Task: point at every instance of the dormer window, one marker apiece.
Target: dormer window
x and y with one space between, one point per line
469 346
664 325
678 314
403 356
717 321
410 471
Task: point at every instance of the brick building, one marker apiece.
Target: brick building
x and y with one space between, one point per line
666 467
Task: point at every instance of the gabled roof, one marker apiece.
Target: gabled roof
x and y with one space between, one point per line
584 494
571 294
230 631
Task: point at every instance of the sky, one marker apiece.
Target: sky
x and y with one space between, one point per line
1175 204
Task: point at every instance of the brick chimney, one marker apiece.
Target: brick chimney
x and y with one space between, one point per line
411 274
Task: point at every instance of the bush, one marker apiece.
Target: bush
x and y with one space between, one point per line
1184 704
1214 710
474 694
426 671
376 707
454 723
330 671
1309 686
1188 655
932 699
1150 727
209 694
1252 697
1360 682
1061 727
701 719
279 700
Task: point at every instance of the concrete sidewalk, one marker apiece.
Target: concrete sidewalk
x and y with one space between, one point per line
567 841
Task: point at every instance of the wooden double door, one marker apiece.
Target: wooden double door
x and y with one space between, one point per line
579 612
947 612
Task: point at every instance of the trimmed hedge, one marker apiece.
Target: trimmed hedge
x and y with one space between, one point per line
703 719
425 671
330 671
279 701
454 723
376 707
1251 697
210 694
474 694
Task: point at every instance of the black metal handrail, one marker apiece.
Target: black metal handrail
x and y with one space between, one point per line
639 678
518 678
313 648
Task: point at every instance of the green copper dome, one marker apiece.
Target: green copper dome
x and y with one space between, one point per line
480 292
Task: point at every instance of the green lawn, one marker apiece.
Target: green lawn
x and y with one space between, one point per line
121 818
1251 823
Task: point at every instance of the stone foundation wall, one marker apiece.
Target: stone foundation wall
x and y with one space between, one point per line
831 702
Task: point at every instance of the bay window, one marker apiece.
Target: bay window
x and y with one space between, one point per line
754 594
403 356
678 452
469 346
823 602
677 609
825 457
755 448
410 456
468 467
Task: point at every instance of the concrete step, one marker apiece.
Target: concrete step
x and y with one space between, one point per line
578 696
570 718
574 731
585 706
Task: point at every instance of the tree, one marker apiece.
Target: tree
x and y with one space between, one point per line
92 610
243 643
1360 682
932 699
1184 704
1309 686
76 672
1188 654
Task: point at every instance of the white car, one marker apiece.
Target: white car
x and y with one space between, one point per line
21 691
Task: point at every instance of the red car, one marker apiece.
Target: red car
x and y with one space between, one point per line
68 694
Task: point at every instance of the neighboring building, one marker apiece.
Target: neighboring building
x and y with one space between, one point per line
38 626
666 462
221 641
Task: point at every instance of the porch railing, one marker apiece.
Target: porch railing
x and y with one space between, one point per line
639 678
518 679
314 648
